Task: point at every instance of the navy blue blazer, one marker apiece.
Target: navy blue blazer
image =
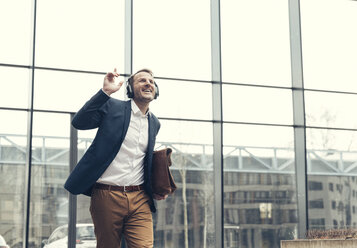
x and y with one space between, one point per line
112 117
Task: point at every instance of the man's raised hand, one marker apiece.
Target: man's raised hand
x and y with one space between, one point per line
109 85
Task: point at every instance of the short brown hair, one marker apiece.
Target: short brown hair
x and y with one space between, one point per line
131 79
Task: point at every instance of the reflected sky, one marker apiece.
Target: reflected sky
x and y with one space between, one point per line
87 35
260 105
173 38
329 44
15 43
255 49
330 109
255 42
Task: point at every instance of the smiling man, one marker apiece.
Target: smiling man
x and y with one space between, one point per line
116 169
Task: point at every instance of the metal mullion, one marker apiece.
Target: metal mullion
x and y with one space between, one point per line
16 65
69 70
128 53
299 115
73 157
258 124
332 128
199 120
14 109
128 47
184 79
217 121
331 91
27 190
53 111
177 79
184 119
258 85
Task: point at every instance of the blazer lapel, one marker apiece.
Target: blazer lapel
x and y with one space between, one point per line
151 134
127 115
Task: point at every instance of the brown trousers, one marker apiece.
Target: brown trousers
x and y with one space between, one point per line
117 213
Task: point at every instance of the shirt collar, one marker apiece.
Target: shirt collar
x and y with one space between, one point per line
136 109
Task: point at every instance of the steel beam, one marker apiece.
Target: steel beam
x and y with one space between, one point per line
128 46
27 189
73 158
299 115
217 120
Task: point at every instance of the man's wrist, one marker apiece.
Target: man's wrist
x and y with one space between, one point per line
106 92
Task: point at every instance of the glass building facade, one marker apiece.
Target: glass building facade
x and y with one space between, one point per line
256 100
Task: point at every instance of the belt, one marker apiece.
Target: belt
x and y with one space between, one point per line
119 188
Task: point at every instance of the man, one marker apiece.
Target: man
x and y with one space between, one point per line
116 169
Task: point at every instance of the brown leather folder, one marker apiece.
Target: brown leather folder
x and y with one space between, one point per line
162 181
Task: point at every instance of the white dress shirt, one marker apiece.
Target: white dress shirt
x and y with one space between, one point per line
127 168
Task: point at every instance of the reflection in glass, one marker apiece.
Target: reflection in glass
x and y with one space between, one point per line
256 104
85 138
13 150
16 31
66 91
329 44
172 38
180 99
188 214
49 170
90 37
255 42
332 178
187 217
330 109
84 236
260 207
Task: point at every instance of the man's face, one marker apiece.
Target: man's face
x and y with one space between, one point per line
143 87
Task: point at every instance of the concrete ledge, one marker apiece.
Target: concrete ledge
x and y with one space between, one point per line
321 243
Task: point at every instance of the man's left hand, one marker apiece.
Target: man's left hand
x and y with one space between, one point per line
160 197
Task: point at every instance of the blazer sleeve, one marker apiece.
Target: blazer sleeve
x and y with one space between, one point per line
92 113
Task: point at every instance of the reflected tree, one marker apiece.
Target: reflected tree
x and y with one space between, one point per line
180 162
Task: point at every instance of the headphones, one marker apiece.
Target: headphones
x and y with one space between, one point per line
130 92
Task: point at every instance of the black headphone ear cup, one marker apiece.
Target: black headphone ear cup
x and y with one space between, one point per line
129 90
156 91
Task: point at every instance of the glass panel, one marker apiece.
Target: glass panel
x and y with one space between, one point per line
260 206
14 87
66 91
84 219
255 42
186 218
180 99
256 104
80 34
332 178
173 38
16 33
50 168
329 44
85 138
330 109
192 170
84 224
13 150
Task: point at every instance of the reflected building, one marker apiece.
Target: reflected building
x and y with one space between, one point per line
332 202
260 206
